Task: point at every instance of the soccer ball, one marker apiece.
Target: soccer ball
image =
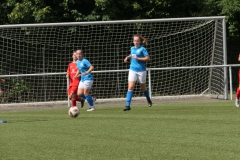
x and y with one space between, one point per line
73 112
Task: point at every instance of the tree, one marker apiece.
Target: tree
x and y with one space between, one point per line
39 11
228 8
43 11
145 9
231 9
3 10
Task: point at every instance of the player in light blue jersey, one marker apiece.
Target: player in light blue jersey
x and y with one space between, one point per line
139 56
84 69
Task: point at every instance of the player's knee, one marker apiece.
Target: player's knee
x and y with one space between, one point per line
85 94
130 88
72 96
143 87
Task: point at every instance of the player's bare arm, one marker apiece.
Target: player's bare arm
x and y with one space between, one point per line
126 58
2 80
77 74
89 70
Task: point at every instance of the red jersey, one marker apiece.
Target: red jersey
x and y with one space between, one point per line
72 70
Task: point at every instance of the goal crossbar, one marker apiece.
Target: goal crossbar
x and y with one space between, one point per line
112 22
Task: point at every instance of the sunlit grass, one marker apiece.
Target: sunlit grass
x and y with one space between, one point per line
206 130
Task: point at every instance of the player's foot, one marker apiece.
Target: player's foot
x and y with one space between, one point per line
82 102
150 103
91 109
94 98
127 108
3 121
237 102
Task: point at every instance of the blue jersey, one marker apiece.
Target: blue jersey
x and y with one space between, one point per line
136 65
83 66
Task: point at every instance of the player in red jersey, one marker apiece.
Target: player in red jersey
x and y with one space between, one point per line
73 82
238 89
2 81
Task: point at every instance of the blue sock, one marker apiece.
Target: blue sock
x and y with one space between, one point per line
83 96
129 98
90 100
146 93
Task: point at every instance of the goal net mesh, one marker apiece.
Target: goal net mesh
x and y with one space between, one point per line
48 48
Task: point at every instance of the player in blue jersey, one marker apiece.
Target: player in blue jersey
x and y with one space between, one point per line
85 68
139 56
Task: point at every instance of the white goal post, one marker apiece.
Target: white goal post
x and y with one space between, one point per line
188 58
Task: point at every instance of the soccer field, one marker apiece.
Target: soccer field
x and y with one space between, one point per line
196 130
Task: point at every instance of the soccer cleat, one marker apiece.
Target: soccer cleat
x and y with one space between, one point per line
149 104
91 109
82 102
237 102
3 121
127 108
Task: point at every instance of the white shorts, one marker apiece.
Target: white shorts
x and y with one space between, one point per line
137 76
85 84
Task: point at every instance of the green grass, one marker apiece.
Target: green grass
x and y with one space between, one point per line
206 130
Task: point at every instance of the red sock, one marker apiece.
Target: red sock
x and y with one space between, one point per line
238 93
74 102
78 98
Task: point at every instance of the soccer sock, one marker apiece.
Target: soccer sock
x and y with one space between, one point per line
146 93
83 96
238 93
129 98
74 102
90 100
77 98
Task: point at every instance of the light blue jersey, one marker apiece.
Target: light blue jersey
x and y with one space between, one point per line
83 66
136 65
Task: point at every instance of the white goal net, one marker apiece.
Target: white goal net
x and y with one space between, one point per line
34 57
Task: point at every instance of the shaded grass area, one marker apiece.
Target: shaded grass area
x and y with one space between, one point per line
206 130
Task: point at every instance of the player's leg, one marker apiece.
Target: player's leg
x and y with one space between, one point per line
80 93
76 97
89 98
238 90
79 99
146 93
132 77
71 96
1 91
142 80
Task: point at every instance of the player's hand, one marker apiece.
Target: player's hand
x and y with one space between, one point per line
126 59
67 75
135 57
84 74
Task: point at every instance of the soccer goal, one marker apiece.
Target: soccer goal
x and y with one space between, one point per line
187 58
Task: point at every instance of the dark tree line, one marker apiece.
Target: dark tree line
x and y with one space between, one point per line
43 11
